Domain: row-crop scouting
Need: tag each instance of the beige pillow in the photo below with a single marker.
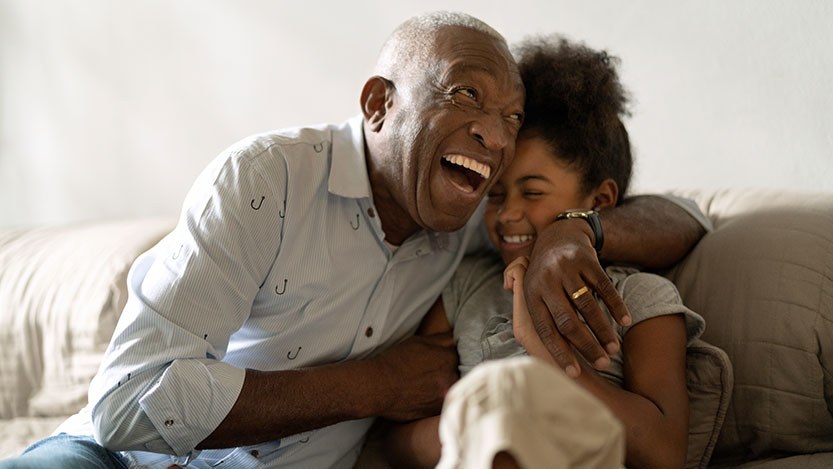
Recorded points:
(709, 381)
(62, 290)
(763, 280)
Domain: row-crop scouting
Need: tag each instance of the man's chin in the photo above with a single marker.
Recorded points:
(447, 221)
(444, 226)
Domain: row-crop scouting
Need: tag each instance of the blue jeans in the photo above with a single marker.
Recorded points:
(65, 451)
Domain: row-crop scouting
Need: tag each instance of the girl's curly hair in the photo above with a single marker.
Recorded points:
(575, 103)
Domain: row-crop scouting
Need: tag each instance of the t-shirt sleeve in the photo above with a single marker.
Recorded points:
(480, 311)
(649, 295)
(472, 273)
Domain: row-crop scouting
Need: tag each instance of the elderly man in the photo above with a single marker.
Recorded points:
(273, 323)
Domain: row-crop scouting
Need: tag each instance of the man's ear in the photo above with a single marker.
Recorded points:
(377, 98)
(606, 194)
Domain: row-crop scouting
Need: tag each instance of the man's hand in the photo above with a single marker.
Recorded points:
(563, 262)
(417, 372)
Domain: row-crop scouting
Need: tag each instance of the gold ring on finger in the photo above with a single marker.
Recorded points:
(579, 292)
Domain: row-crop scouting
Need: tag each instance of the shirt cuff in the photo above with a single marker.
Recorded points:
(190, 400)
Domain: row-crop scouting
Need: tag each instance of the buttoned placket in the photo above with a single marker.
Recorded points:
(420, 244)
(378, 304)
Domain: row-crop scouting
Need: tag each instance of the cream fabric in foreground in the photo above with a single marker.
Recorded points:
(534, 412)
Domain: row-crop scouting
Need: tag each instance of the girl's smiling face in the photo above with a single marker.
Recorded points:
(535, 188)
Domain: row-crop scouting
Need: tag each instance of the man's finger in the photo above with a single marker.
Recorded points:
(555, 344)
(573, 329)
(607, 292)
(585, 303)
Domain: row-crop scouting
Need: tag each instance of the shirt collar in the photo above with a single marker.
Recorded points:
(348, 171)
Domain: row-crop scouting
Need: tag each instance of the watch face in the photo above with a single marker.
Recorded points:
(578, 213)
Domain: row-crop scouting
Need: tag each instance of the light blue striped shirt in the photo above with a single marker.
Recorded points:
(277, 262)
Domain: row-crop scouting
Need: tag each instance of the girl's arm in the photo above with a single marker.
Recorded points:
(654, 404)
(417, 444)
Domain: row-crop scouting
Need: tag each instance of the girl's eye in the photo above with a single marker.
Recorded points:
(532, 193)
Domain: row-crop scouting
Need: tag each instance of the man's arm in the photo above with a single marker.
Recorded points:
(404, 383)
(417, 444)
(649, 231)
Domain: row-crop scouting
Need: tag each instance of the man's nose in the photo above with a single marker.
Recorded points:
(490, 131)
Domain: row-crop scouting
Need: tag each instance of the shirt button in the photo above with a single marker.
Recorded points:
(255, 453)
(169, 423)
(371, 212)
(368, 332)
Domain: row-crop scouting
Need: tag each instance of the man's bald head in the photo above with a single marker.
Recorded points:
(445, 89)
(411, 46)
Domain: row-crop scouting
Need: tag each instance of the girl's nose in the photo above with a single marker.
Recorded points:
(509, 212)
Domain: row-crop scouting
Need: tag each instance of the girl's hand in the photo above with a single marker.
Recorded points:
(513, 279)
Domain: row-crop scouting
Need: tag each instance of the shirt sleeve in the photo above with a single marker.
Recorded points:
(649, 295)
(480, 311)
(162, 386)
(691, 208)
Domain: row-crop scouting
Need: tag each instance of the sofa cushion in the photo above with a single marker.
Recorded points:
(763, 279)
(62, 290)
(709, 381)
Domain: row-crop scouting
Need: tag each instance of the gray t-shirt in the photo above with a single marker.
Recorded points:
(480, 310)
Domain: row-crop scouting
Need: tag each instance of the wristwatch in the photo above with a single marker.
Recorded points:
(592, 218)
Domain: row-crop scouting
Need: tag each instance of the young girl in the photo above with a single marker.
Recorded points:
(573, 152)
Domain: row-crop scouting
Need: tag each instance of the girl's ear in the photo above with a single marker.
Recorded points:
(606, 194)
(376, 99)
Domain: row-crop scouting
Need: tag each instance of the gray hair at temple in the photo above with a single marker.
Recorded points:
(411, 45)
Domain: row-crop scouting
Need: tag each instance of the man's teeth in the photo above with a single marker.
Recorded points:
(517, 238)
(482, 169)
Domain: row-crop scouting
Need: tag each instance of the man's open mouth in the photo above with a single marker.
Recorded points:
(466, 173)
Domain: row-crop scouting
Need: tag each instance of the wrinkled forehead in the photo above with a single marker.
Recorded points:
(461, 50)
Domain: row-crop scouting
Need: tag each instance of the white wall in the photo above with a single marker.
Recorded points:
(109, 109)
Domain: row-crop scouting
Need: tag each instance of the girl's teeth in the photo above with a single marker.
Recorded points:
(517, 238)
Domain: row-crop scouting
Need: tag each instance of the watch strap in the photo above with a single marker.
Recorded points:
(592, 218)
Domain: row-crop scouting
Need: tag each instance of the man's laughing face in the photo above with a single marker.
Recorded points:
(452, 128)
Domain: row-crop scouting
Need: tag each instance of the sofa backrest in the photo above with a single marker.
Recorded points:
(763, 280)
(62, 290)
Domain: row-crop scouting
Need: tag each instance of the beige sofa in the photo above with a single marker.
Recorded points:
(763, 280)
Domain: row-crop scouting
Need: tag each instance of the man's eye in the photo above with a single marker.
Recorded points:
(467, 92)
(517, 116)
